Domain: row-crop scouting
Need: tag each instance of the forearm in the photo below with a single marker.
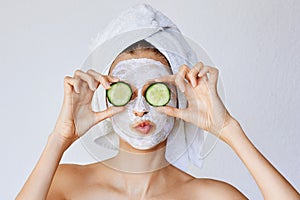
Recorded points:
(39, 181)
(271, 183)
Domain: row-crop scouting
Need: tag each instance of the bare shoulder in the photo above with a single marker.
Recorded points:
(70, 169)
(69, 172)
(215, 189)
(66, 179)
(75, 173)
(203, 188)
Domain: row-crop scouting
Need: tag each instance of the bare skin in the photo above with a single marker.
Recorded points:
(105, 180)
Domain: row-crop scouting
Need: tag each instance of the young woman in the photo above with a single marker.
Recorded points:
(142, 168)
(49, 180)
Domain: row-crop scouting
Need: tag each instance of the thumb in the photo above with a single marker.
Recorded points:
(171, 111)
(99, 116)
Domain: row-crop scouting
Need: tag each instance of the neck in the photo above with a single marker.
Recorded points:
(136, 161)
(139, 171)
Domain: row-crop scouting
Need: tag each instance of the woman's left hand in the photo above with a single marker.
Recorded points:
(205, 108)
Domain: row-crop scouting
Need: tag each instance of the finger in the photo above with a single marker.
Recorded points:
(203, 71)
(171, 111)
(213, 75)
(166, 79)
(112, 79)
(111, 111)
(70, 84)
(87, 78)
(203, 80)
(192, 75)
(100, 78)
(180, 77)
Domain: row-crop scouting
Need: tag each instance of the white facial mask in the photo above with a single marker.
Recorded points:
(139, 73)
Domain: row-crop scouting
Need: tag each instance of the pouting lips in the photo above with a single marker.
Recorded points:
(144, 127)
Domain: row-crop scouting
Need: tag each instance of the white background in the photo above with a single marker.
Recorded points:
(255, 43)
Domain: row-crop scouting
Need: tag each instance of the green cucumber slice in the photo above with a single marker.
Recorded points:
(158, 94)
(119, 94)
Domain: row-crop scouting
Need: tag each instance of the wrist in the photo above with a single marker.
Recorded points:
(231, 131)
(59, 141)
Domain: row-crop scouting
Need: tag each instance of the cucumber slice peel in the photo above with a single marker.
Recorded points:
(119, 94)
(158, 94)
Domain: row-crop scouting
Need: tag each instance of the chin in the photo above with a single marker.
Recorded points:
(146, 148)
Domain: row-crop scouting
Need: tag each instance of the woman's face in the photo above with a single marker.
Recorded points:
(140, 124)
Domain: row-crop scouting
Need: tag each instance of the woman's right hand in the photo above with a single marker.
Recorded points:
(76, 116)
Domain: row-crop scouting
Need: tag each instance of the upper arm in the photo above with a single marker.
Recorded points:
(215, 189)
(59, 183)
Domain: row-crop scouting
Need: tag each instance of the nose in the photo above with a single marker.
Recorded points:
(140, 107)
(139, 114)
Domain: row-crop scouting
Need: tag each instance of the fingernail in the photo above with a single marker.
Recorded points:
(181, 88)
(193, 83)
(76, 90)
